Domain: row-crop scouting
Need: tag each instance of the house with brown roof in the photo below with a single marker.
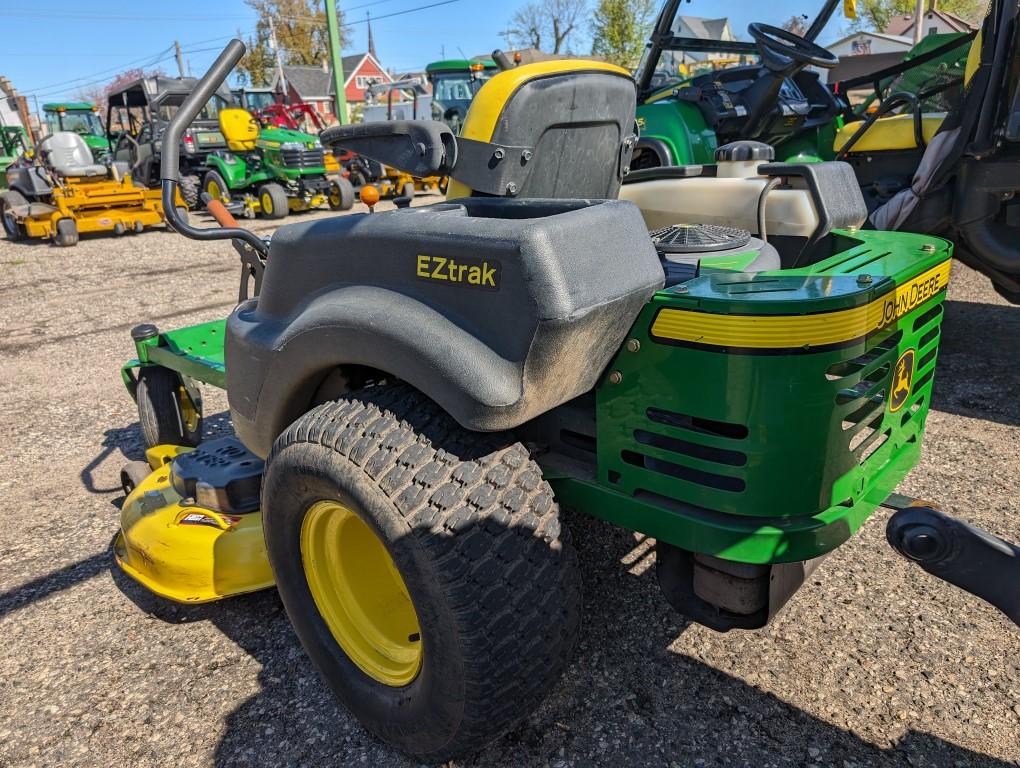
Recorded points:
(935, 22)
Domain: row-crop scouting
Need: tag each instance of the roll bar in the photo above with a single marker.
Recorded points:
(169, 174)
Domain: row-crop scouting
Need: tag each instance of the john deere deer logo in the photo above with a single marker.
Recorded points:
(903, 376)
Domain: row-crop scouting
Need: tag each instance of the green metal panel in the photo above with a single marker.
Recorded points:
(234, 171)
(682, 128)
(195, 351)
(767, 455)
(458, 65)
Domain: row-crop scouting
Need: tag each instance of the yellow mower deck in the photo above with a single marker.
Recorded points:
(183, 551)
(105, 205)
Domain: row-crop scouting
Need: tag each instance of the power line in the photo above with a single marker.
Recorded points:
(160, 57)
(109, 70)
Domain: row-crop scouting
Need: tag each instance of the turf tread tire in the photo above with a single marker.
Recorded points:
(477, 507)
(190, 186)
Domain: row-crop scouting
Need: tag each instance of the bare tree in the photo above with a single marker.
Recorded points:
(797, 24)
(554, 22)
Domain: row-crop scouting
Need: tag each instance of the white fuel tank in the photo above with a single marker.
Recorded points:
(730, 198)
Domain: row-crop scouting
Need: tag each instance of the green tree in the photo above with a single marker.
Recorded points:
(876, 14)
(620, 30)
(300, 27)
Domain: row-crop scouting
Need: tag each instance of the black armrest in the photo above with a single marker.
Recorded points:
(417, 147)
(834, 190)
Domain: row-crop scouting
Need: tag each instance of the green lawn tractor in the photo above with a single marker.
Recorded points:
(272, 170)
(80, 118)
(416, 393)
(937, 150)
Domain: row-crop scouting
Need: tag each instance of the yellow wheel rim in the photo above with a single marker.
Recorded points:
(267, 203)
(360, 594)
(213, 190)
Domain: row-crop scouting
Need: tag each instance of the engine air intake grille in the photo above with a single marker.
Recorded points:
(698, 238)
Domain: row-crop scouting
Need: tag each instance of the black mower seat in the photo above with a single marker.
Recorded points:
(555, 129)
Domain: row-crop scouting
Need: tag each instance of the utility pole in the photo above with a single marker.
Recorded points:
(918, 19)
(337, 62)
(180, 58)
(279, 60)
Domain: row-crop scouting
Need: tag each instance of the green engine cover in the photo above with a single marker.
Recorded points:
(762, 418)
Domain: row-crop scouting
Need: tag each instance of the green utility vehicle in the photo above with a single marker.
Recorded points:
(415, 392)
(271, 170)
(936, 151)
(83, 119)
(454, 84)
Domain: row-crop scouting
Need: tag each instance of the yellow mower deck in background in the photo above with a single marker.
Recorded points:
(62, 193)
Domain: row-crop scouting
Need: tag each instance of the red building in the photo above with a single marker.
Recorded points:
(314, 85)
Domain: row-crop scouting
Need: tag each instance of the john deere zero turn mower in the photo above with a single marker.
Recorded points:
(272, 170)
(419, 390)
(61, 192)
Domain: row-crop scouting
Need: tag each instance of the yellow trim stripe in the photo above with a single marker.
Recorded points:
(792, 331)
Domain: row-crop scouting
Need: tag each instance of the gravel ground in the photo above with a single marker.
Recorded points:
(872, 663)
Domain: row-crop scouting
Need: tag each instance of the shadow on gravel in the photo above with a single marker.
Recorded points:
(625, 701)
(978, 362)
(44, 586)
(128, 440)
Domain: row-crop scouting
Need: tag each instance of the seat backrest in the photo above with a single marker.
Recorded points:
(69, 155)
(239, 128)
(573, 118)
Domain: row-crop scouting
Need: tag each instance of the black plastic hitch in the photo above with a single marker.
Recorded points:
(965, 556)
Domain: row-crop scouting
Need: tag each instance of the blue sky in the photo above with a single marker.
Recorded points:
(43, 52)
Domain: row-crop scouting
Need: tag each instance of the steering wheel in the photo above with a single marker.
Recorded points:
(780, 49)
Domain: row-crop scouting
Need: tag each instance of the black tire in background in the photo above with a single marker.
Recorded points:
(190, 186)
(341, 195)
(66, 234)
(162, 409)
(473, 531)
(9, 200)
(276, 197)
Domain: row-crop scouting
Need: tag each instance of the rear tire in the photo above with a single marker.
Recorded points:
(341, 195)
(12, 228)
(471, 528)
(190, 186)
(273, 201)
(66, 234)
(166, 412)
